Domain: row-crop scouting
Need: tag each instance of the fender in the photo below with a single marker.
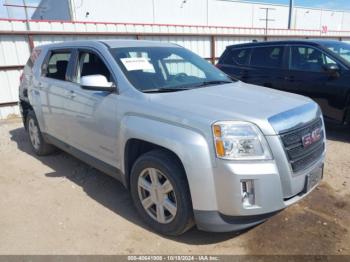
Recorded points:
(190, 146)
(34, 93)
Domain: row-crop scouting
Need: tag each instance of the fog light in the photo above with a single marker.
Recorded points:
(248, 196)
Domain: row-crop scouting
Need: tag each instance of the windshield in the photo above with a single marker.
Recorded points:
(164, 69)
(340, 48)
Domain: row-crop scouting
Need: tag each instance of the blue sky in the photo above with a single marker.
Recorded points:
(328, 4)
(16, 12)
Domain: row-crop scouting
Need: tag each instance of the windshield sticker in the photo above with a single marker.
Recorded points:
(136, 63)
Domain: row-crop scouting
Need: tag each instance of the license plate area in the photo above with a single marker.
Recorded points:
(313, 178)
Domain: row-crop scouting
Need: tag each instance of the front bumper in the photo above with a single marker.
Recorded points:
(213, 221)
(270, 198)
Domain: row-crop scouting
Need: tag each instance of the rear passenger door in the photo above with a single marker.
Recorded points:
(266, 67)
(235, 63)
(53, 90)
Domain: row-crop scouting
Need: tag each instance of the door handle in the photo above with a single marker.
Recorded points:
(71, 94)
(40, 85)
(289, 78)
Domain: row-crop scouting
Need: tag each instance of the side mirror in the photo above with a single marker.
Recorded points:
(333, 70)
(96, 82)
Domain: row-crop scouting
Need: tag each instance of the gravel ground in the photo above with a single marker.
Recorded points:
(59, 205)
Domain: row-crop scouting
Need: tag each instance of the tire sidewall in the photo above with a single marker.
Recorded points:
(31, 115)
(184, 206)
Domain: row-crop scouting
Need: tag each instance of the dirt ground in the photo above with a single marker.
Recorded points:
(59, 205)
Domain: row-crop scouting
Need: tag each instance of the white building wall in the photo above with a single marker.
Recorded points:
(206, 12)
(346, 22)
(193, 12)
(135, 11)
(227, 13)
(332, 19)
(307, 18)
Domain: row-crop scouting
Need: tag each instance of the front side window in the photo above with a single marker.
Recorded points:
(339, 48)
(166, 69)
(309, 59)
(57, 65)
(91, 64)
(270, 57)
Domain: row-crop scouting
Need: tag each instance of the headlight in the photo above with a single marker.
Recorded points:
(236, 140)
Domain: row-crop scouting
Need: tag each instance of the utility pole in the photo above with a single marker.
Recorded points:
(266, 19)
(291, 5)
(26, 13)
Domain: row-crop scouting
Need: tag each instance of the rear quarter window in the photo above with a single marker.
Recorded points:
(237, 56)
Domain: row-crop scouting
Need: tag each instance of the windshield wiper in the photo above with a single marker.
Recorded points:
(213, 82)
(164, 90)
(174, 89)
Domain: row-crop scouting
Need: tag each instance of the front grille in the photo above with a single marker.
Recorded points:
(301, 157)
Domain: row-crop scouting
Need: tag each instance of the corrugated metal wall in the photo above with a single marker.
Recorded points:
(209, 42)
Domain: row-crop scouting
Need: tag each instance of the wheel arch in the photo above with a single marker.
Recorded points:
(25, 108)
(189, 147)
(134, 148)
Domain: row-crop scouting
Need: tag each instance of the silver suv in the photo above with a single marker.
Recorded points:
(192, 145)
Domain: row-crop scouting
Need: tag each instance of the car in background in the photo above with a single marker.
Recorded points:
(319, 69)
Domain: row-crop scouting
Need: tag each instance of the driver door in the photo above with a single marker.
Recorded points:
(92, 124)
(308, 76)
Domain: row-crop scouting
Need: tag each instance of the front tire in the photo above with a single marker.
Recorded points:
(160, 193)
(37, 142)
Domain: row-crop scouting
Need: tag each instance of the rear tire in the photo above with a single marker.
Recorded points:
(160, 193)
(37, 142)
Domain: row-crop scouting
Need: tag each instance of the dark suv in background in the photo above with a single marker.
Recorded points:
(318, 69)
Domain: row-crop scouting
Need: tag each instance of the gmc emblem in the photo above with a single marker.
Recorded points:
(312, 137)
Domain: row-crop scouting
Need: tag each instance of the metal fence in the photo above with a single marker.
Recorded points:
(19, 37)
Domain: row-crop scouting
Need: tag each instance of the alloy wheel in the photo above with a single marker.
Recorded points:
(157, 195)
(34, 134)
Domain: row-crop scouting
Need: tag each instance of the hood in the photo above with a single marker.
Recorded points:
(271, 110)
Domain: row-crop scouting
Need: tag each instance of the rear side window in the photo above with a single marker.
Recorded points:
(57, 65)
(237, 56)
(270, 57)
(240, 56)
